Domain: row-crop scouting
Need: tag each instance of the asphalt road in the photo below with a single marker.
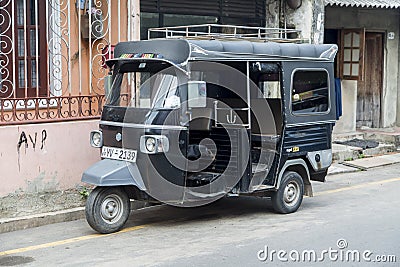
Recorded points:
(351, 215)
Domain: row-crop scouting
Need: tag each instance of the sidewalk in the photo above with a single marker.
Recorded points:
(364, 164)
(347, 158)
(19, 223)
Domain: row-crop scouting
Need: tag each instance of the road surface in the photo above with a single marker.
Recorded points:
(353, 220)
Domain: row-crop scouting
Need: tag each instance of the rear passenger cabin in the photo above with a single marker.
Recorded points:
(287, 104)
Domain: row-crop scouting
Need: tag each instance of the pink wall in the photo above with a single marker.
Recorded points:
(56, 162)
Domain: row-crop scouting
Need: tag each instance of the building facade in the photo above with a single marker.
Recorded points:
(52, 69)
(51, 86)
(368, 63)
(367, 33)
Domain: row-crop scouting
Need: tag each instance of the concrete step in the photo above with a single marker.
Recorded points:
(373, 162)
(341, 153)
(348, 136)
(392, 138)
(382, 149)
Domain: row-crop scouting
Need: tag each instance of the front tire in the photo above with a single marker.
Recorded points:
(289, 196)
(107, 209)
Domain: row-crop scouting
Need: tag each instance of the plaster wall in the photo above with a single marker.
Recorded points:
(347, 123)
(309, 18)
(45, 157)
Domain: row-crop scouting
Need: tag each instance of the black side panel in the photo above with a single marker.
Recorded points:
(302, 139)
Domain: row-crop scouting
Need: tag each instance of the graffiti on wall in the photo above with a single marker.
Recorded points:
(33, 140)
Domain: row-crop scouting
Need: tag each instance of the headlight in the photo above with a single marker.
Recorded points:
(152, 144)
(96, 139)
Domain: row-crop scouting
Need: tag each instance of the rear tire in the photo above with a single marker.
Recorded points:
(107, 209)
(289, 196)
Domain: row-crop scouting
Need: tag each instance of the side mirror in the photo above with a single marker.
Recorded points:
(197, 94)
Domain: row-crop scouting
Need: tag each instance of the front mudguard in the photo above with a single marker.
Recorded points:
(109, 172)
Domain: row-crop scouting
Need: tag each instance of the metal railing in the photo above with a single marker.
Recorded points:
(46, 109)
(229, 32)
(52, 56)
(229, 116)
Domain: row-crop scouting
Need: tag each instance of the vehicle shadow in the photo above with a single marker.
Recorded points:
(221, 209)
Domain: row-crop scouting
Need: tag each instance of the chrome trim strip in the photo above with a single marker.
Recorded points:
(142, 126)
(310, 123)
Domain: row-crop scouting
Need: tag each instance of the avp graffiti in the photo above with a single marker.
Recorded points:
(33, 139)
(24, 140)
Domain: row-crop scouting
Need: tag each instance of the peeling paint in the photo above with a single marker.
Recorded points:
(309, 18)
(272, 13)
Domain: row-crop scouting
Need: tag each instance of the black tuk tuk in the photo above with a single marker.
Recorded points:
(188, 121)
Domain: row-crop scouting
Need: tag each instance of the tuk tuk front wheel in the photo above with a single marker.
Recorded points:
(289, 196)
(107, 209)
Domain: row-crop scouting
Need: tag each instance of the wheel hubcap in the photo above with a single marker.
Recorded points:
(111, 209)
(291, 194)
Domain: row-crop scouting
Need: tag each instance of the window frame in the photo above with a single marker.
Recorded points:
(291, 93)
(39, 28)
(360, 76)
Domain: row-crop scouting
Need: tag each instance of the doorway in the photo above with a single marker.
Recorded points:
(369, 90)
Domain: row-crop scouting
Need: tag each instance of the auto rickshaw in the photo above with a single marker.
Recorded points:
(190, 120)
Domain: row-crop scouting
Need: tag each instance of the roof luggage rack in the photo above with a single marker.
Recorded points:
(228, 32)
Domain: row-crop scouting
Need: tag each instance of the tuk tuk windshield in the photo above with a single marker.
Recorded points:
(145, 90)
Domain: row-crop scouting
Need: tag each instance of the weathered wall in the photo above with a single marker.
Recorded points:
(309, 18)
(347, 123)
(45, 157)
(398, 90)
(372, 20)
(272, 13)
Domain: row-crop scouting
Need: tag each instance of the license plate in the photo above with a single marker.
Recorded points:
(118, 153)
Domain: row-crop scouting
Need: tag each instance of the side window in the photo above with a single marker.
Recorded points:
(310, 92)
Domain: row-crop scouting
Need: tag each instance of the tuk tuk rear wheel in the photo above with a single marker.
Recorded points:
(289, 196)
(107, 209)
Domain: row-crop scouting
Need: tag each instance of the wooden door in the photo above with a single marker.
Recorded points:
(370, 89)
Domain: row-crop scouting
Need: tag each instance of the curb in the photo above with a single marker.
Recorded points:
(30, 221)
(342, 171)
(36, 220)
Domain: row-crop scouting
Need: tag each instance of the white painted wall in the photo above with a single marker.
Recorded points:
(61, 153)
(347, 123)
